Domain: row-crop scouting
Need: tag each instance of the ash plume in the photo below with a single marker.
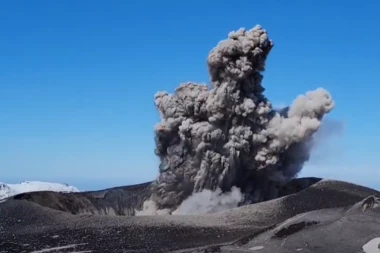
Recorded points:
(229, 135)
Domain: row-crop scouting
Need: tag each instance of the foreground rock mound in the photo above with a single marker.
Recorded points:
(328, 216)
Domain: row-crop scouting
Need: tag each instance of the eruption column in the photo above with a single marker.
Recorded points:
(229, 134)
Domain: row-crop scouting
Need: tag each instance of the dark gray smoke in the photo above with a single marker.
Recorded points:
(229, 134)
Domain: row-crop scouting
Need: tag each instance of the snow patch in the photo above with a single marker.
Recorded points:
(257, 248)
(372, 246)
(9, 190)
(58, 249)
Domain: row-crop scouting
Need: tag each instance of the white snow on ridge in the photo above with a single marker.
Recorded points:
(9, 190)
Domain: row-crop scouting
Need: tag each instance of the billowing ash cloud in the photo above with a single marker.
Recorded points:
(208, 201)
(215, 138)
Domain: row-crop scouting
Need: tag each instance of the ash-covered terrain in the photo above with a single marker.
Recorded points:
(326, 216)
(228, 178)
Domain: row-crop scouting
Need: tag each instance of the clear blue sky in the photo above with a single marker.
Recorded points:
(77, 80)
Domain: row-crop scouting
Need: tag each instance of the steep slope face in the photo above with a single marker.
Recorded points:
(9, 190)
(350, 229)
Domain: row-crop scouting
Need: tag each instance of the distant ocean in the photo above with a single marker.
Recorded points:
(89, 185)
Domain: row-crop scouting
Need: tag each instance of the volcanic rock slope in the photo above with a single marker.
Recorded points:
(328, 216)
